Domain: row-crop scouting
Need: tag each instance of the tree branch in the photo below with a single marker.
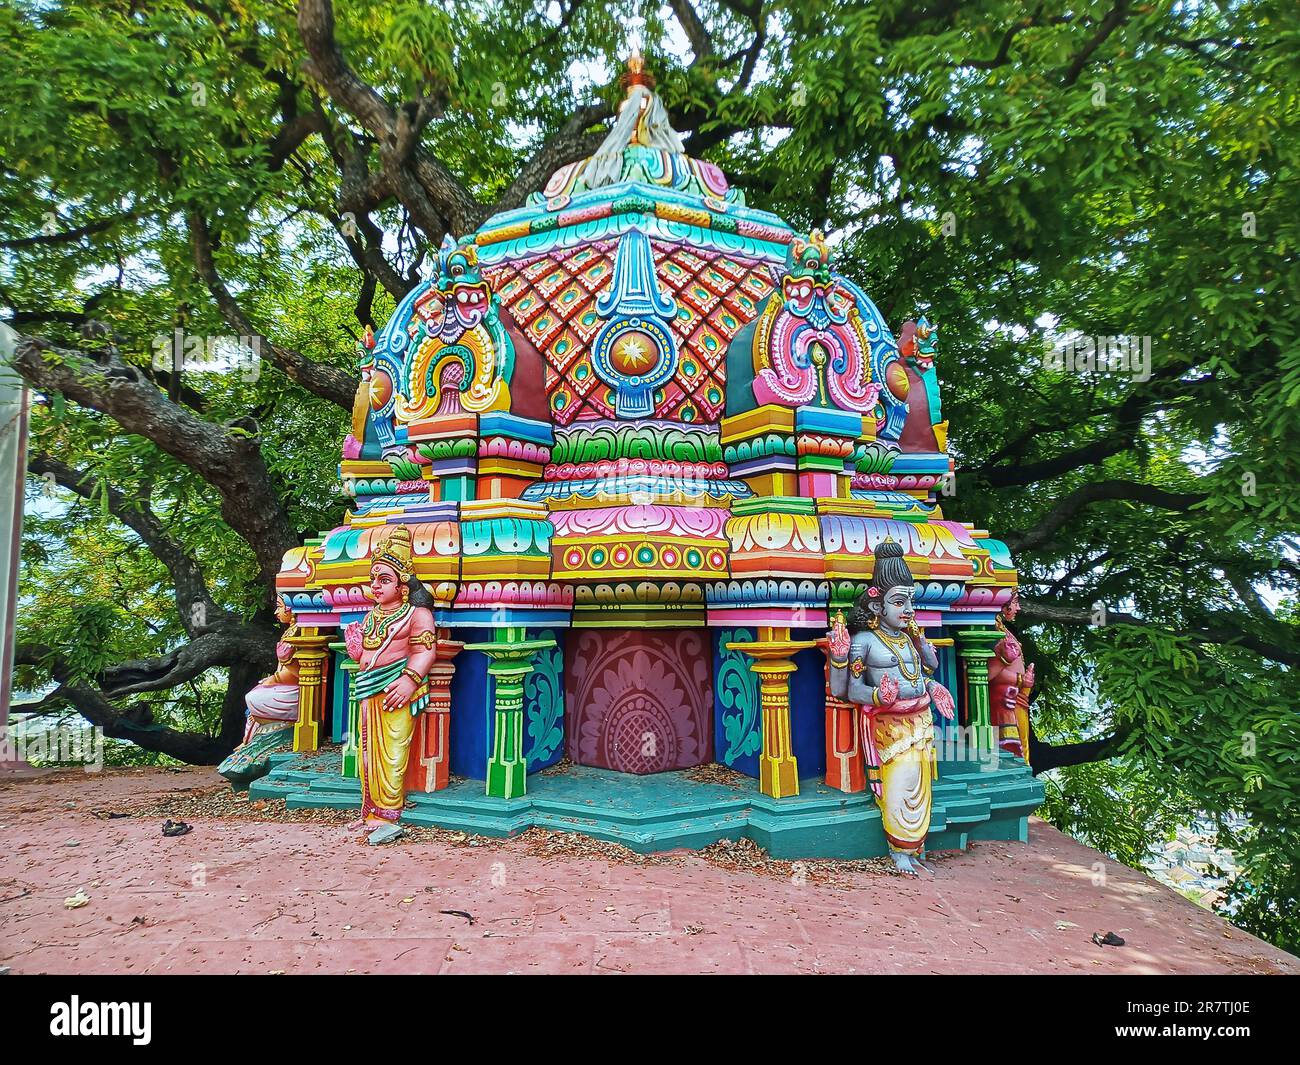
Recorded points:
(245, 649)
(569, 143)
(186, 573)
(328, 382)
(1097, 491)
(424, 184)
(70, 235)
(1117, 16)
(1044, 756)
(230, 461)
(1221, 628)
(696, 32)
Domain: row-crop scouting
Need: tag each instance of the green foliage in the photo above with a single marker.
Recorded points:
(1117, 807)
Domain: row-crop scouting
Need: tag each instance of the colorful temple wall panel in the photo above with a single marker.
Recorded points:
(472, 706)
(339, 709)
(471, 710)
(808, 706)
(947, 673)
(544, 704)
(639, 701)
(737, 718)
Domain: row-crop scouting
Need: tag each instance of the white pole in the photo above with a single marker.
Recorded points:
(14, 402)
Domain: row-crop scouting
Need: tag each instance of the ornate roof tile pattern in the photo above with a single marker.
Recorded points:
(552, 299)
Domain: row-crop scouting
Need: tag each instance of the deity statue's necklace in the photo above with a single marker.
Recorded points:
(898, 644)
(378, 623)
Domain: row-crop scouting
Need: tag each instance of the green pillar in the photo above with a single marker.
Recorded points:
(976, 648)
(511, 654)
(351, 761)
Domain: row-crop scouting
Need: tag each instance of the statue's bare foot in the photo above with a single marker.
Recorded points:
(904, 863)
(356, 826)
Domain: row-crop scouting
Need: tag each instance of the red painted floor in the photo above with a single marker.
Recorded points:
(259, 896)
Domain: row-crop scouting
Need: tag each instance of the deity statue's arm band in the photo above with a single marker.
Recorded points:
(929, 656)
(423, 644)
(860, 690)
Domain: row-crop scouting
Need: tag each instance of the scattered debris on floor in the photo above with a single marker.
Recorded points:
(1109, 939)
(743, 855)
(75, 902)
(219, 801)
(713, 773)
(542, 843)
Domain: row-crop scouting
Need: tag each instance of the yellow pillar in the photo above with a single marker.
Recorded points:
(311, 652)
(773, 653)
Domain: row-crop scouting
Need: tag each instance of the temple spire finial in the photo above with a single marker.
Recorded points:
(636, 73)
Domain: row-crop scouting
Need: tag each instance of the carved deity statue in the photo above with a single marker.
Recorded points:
(272, 710)
(925, 429)
(1010, 682)
(881, 663)
(395, 646)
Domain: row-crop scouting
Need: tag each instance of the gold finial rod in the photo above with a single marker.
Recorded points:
(636, 73)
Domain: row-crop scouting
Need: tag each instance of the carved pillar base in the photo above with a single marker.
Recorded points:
(428, 767)
(311, 651)
(773, 653)
(511, 654)
(975, 646)
(352, 726)
(846, 766)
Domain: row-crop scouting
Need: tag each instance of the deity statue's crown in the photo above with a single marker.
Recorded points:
(395, 550)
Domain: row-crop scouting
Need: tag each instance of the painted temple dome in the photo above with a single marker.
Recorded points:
(636, 400)
(641, 442)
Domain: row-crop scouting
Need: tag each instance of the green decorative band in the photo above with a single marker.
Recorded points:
(448, 449)
(760, 447)
(667, 443)
(405, 470)
(774, 505)
(505, 536)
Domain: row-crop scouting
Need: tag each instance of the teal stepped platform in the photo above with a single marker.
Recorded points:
(664, 811)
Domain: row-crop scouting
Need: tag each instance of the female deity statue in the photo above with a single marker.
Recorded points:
(395, 645)
(882, 664)
(1010, 682)
(272, 710)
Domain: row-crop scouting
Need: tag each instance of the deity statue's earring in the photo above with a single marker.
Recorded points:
(873, 622)
(406, 593)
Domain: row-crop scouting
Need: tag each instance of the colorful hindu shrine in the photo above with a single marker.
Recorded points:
(617, 470)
